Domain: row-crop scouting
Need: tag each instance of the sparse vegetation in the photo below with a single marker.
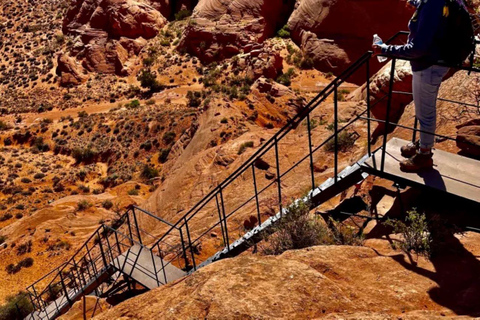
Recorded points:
(244, 146)
(284, 32)
(107, 204)
(83, 205)
(133, 192)
(182, 14)
(16, 307)
(415, 232)
(149, 172)
(285, 78)
(149, 80)
(346, 140)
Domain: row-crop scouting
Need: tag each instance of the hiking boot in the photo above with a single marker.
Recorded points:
(410, 149)
(418, 162)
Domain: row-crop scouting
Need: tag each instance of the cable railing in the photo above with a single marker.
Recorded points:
(257, 190)
(214, 203)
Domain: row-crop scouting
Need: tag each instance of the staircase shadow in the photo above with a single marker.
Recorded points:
(456, 269)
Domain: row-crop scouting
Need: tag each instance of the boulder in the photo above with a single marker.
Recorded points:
(273, 88)
(261, 61)
(222, 29)
(349, 23)
(325, 53)
(70, 72)
(379, 85)
(468, 138)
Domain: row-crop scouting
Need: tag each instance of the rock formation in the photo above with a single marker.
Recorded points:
(222, 29)
(468, 138)
(349, 24)
(109, 33)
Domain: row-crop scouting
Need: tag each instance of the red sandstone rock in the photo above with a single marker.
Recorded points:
(69, 71)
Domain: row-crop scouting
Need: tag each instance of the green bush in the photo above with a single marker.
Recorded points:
(3, 239)
(284, 32)
(24, 248)
(244, 146)
(26, 263)
(16, 307)
(83, 205)
(162, 157)
(285, 78)
(148, 80)
(4, 126)
(84, 154)
(297, 230)
(194, 98)
(107, 204)
(149, 172)
(346, 140)
(169, 137)
(133, 192)
(133, 104)
(415, 232)
(12, 268)
(182, 14)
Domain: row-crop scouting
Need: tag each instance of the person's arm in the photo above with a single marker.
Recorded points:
(429, 21)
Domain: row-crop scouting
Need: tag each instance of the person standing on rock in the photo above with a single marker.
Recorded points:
(425, 47)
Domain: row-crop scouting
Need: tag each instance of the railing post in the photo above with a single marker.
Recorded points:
(155, 268)
(277, 161)
(190, 243)
(64, 288)
(227, 244)
(369, 146)
(130, 228)
(257, 203)
(118, 244)
(335, 128)
(108, 243)
(163, 265)
(310, 151)
(183, 248)
(136, 226)
(220, 218)
(101, 250)
(387, 120)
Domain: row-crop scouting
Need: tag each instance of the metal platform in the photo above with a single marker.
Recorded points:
(145, 268)
(452, 173)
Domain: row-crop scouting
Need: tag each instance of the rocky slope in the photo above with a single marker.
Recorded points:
(325, 282)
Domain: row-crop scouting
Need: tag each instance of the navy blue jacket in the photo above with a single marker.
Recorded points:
(425, 30)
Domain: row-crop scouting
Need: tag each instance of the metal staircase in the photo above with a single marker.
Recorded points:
(113, 252)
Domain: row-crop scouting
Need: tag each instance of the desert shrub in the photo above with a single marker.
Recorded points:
(25, 180)
(83, 205)
(26, 263)
(415, 232)
(148, 61)
(149, 172)
(307, 63)
(150, 102)
(107, 204)
(2, 239)
(194, 98)
(284, 32)
(12, 268)
(162, 157)
(5, 217)
(133, 104)
(59, 245)
(16, 307)
(285, 78)
(24, 248)
(182, 14)
(346, 140)
(148, 80)
(19, 216)
(224, 120)
(53, 292)
(82, 114)
(133, 192)
(39, 176)
(84, 154)
(244, 146)
(169, 137)
(297, 230)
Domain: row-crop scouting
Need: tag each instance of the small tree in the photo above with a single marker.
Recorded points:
(148, 80)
